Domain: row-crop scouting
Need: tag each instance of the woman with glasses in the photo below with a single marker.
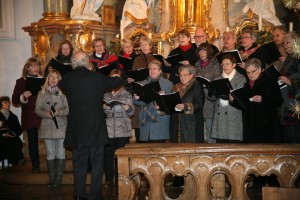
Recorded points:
(208, 67)
(261, 121)
(187, 125)
(291, 94)
(227, 123)
(249, 45)
(154, 125)
(187, 50)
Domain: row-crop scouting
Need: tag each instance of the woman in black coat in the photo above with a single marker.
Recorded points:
(261, 120)
(10, 130)
(188, 125)
(187, 50)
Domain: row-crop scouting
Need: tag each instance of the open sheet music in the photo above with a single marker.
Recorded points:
(167, 102)
(146, 92)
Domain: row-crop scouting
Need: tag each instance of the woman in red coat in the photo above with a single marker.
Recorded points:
(26, 99)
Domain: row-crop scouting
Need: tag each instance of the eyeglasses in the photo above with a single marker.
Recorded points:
(246, 37)
(199, 36)
(252, 72)
(225, 64)
(183, 75)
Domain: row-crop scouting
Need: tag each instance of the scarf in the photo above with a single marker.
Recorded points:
(126, 55)
(230, 76)
(204, 63)
(183, 88)
(185, 48)
(53, 90)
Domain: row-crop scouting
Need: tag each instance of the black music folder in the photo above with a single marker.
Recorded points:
(106, 69)
(126, 62)
(221, 86)
(52, 112)
(167, 102)
(159, 57)
(272, 72)
(34, 84)
(113, 103)
(202, 80)
(146, 92)
(241, 97)
(235, 53)
(267, 53)
(175, 59)
(139, 74)
(63, 68)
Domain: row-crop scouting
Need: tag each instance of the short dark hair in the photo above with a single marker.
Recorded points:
(3, 99)
(97, 40)
(229, 57)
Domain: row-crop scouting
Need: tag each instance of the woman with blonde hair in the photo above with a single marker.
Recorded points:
(26, 99)
(52, 107)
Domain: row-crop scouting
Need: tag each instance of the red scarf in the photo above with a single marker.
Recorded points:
(126, 55)
(251, 83)
(185, 48)
(204, 63)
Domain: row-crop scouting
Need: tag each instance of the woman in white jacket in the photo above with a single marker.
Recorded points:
(52, 107)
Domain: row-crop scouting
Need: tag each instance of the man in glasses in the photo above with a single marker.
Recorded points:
(201, 37)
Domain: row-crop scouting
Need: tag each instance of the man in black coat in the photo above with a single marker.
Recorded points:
(86, 130)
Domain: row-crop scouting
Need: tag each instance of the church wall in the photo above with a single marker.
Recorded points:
(15, 52)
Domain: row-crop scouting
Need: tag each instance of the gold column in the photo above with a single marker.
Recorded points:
(56, 10)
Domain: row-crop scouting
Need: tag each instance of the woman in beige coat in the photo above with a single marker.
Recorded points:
(52, 107)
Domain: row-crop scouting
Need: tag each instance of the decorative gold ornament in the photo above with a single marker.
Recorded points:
(66, 32)
(84, 39)
(41, 43)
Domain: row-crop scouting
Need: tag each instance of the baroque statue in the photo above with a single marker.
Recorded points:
(86, 9)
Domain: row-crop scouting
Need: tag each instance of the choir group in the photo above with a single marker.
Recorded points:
(252, 108)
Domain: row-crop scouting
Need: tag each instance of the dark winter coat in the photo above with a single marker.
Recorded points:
(261, 120)
(189, 124)
(84, 90)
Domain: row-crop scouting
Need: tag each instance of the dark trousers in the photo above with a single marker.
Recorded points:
(33, 146)
(110, 162)
(80, 163)
(11, 148)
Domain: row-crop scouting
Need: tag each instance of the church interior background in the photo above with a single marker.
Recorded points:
(35, 28)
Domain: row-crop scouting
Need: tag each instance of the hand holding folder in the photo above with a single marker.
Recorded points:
(219, 86)
(146, 92)
(168, 102)
(34, 84)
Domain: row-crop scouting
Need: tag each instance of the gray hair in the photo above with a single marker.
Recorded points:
(251, 32)
(80, 59)
(190, 68)
(289, 36)
(256, 63)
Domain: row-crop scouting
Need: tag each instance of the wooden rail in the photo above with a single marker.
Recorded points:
(200, 164)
